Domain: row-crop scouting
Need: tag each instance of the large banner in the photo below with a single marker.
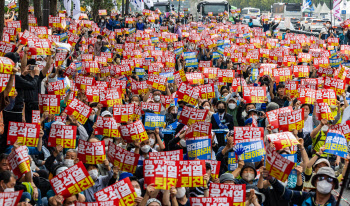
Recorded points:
(162, 173)
(72, 181)
(91, 152)
(125, 160)
(236, 193)
(191, 173)
(24, 133)
(336, 143)
(122, 191)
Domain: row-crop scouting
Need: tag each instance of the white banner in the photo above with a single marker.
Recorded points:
(76, 9)
(115, 5)
(68, 6)
(336, 9)
(149, 3)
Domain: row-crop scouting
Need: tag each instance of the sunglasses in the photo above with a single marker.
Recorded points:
(329, 179)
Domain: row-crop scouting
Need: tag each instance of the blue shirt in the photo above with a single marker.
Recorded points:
(140, 26)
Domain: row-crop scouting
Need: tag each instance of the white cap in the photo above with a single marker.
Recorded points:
(105, 113)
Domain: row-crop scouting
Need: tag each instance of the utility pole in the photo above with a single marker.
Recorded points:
(46, 12)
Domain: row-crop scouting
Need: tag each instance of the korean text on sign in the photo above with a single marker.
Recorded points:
(174, 155)
(72, 181)
(79, 110)
(10, 198)
(125, 160)
(163, 173)
(199, 147)
(91, 152)
(291, 120)
(254, 94)
(25, 134)
(19, 161)
(64, 135)
(278, 166)
(237, 193)
(282, 140)
(132, 132)
(336, 143)
(246, 134)
(190, 173)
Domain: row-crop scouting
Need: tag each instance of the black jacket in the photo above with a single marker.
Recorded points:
(23, 86)
(228, 121)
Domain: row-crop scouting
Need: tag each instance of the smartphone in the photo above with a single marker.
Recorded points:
(31, 67)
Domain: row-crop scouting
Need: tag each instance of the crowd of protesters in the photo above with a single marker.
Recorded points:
(183, 44)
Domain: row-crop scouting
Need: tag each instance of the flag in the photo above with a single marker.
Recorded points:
(67, 5)
(306, 5)
(336, 9)
(76, 9)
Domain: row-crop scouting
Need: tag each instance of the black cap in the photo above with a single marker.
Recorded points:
(13, 56)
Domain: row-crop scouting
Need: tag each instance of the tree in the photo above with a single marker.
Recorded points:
(23, 13)
(37, 11)
(96, 6)
(53, 7)
(2, 13)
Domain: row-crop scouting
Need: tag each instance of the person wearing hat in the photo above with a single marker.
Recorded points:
(254, 197)
(232, 109)
(106, 113)
(247, 174)
(324, 181)
(227, 178)
(153, 202)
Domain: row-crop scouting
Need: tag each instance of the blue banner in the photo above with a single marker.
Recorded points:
(173, 126)
(152, 121)
(189, 55)
(216, 55)
(155, 39)
(232, 161)
(79, 66)
(220, 42)
(221, 50)
(169, 76)
(335, 62)
(333, 53)
(191, 63)
(200, 29)
(336, 144)
(253, 151)
(140, 72)
(255, 74)
(63, 36)
(178, 51)
(198, 148)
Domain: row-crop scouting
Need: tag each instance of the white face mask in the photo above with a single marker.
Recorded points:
(68, 162)
(324, 128)
(151, 141)
(138, 192)
(232, 105)
(207, 107)
(92, 117)
(93, 174)
(183, 143)
(248, 176)
(102, 20)
(121, 145)
(145, 148)
(98, 40)
(328, 25)
(181, 192)
(8, 189)
(333, 106)
(156, 98)
(324, 187)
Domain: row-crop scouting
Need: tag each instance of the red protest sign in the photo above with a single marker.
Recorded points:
(292, 88)
(206, 91)
(56, 88)
(291, 120)
(289, 60)
(304, 57)
(247, 134)
(49, 102)
(180, 77)
(72, 181)
(36, 116)
(162, 173)
(254, 94)
(5, 48)
(326, 95)
(60, 119)
(190, 173)
(155, 107)
(238, 83)
(282, 140)
(10, 198)
(208, 201)
(19, 161)
(191, 115)
(344, 128)
(307, 96)
(174, 155)
(132, 132)
(79, 110)
(187, 93)
(226, 75)
(121, 190)
(338, 85)
(125, 160)
(24, 133)
(111, 97)
(157, 82)
(82, 81)
(195, 78)
(272, 116)
(301, 71)
(282, 74)
(92, 93)
(323, 111)
(215, 168)
(106, 126)
(124, 113)
(91, 152)
(321, 62)
(236, 193)
(103, 203)
(4, 78)
(64, 135)
(199, 129)
(278, 166)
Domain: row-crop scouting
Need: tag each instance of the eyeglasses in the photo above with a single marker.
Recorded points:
(329, 179)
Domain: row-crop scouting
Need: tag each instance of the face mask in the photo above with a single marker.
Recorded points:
(324, 128)
(121, 145)
(9, 190)
(98, 40)
(93, 174)
(174, 115)
(138, 192)
(156, 98)
(140, 21)
(151, 141)
(145, 148)
(328, 25)
(255, 116)
(68, 162)
(324, 187)
(181, 191)
(183, 143)
(248, 176)
(231, 105)
(207, 107)
(92, 117)
(102, 20)
(345, 31)
(136, 103)
(333, 106)
(221, 111)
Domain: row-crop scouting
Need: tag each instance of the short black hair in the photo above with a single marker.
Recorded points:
(280, 86)
(221, 102)
(6, 176)
(3, 156)
(207, 166)
(249, 104)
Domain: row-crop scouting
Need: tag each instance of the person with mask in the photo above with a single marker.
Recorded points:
(7, 184)
(179, 198)
(207, 105)
(221, 120)
(98, 45)
(101, 182)
(69, 160)
(102, 24)
(324, 181)
(232, 109)
(326, 31)
(136, 185)
(140, 25)
(247, 174)
(142, 148)
(319, 135)
(181, 139)
(155, 141)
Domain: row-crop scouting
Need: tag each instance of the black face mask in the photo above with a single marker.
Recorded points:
(174, 115)
(221, 111)
(305, 51)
